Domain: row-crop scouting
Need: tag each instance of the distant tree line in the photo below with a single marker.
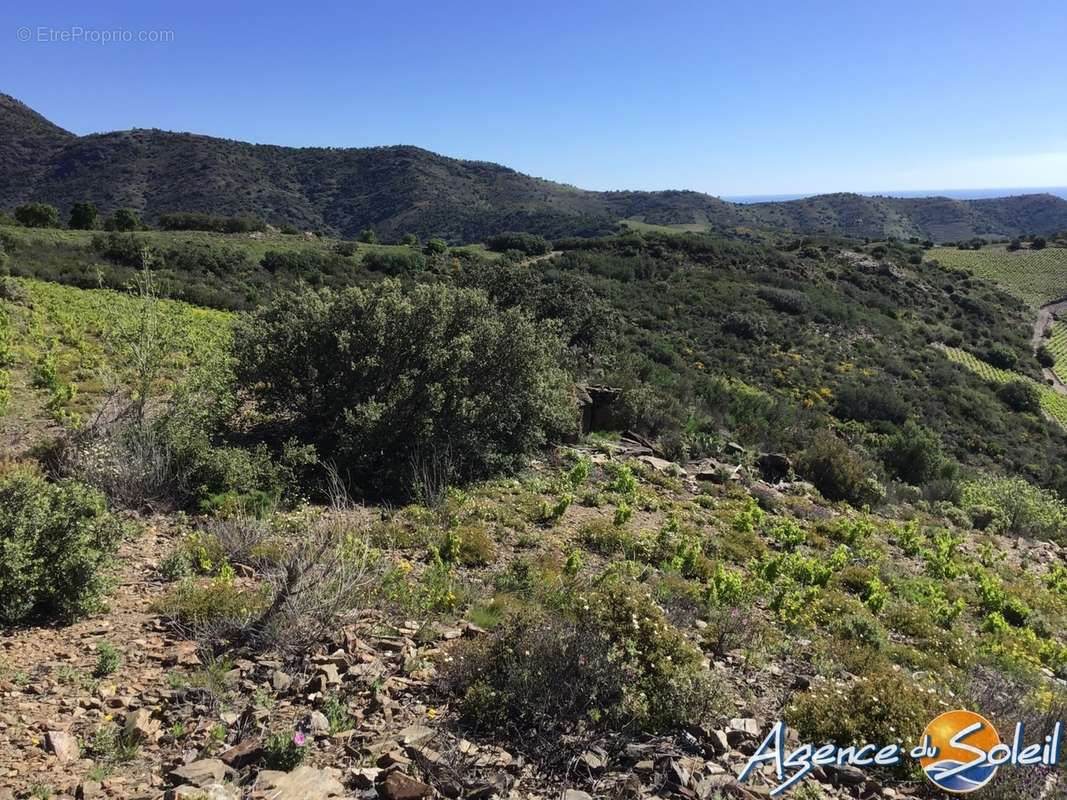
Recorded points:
(196, 221)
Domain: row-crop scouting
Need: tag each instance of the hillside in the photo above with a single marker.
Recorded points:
(401, 189)
(813, 516)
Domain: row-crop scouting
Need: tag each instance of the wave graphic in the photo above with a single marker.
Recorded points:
(966, 781)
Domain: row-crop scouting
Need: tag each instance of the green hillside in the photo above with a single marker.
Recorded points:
(361, 512)
(403, 189)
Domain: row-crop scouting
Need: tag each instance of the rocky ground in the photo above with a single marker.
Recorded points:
(160, 719)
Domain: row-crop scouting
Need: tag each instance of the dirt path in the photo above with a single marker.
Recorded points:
(543, 257)
(1045, 316)
(47, 683)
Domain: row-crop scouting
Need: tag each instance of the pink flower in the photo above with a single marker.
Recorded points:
(299, 738)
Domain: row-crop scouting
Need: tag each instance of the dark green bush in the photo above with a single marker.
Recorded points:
(1020, 396)
(394, 263)
(55, 540)
(124, 219)
(303, 262)
(839, 472)
(83, 216)
(785, 300)
(528, 243)
(744, 325)
(913, 454)
(373, 377)
(195, 221)
(1000, 356)
(37, 215)
(865, 403)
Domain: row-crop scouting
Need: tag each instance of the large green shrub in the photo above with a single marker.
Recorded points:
(55, 540)
(839, 472)
(914, 454)
(1020, 396)
(1017, 507)
(38, 215)
(374, 377)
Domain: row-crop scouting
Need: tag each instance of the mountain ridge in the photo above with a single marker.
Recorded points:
(395, 189)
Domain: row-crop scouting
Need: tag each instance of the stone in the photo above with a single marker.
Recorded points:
(719, 742)
(738, 730)
(317, 724)
(845, 775)
(213, 791)
(364, 778)
(576, 794)
(594, 759)
(64, 746)
(140, 727)
(280, 681)
(200, 773)
(413, 734)
(398, 786)
(303, 783)
(250, 751)
(330, 674)
(663, 465)
(774, 467)
(182, 654)
(89, 790)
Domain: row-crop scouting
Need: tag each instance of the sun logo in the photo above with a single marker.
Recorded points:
(958, 746)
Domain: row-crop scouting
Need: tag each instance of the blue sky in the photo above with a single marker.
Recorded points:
(724, 97)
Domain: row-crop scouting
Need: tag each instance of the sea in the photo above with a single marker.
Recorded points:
(959, 194)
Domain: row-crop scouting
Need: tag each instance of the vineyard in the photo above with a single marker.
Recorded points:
(1057, 345)
(67, 347)
(1035, 276)
(1052, 403)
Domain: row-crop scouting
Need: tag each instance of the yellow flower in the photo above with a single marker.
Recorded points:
(431, 713)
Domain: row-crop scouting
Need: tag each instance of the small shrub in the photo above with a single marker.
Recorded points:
(616, 661)
(112, 746)
(731, 628)
(219, 604)
(108, 659)
(788, 533)
(14, 292)
(882, 707)
(468, 544)
(56, 540)
(603, 537)
(285, 750)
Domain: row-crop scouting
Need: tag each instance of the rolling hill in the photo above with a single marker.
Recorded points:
(401, 189)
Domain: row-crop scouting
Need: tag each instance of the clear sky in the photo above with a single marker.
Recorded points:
(724, 97)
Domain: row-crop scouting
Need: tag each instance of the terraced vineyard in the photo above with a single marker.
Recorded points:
(1052, 403)
(1035, 276)
(1057, 345)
